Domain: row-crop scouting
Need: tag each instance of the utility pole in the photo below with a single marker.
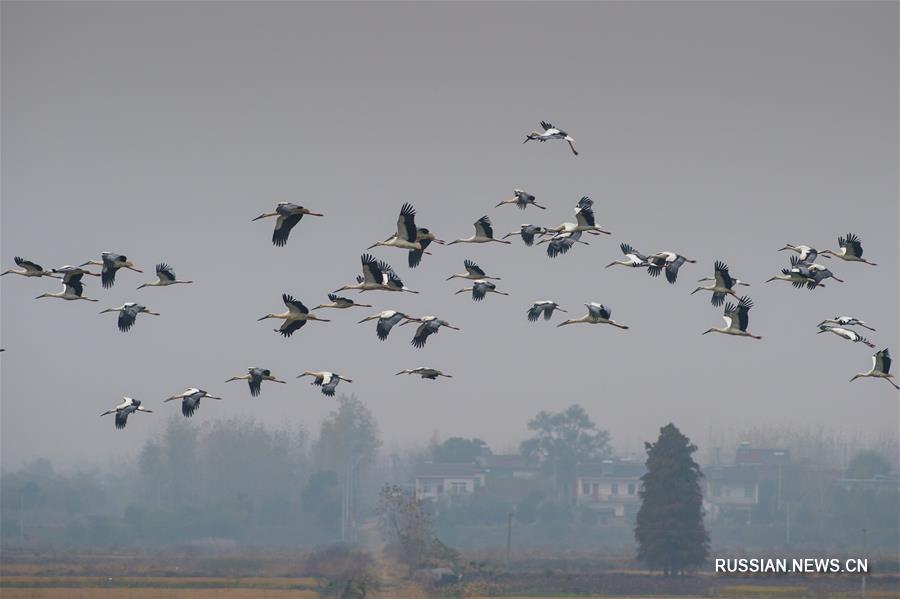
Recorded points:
(508, 539)
(867, 564)
(787, 532)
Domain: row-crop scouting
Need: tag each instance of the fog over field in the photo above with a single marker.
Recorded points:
(720, 131)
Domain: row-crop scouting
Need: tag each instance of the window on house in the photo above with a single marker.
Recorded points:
(426, 487)
(632, 488)
(457, 488)
(717, 490)
(748, 492)
(585, 487)
(614, 489)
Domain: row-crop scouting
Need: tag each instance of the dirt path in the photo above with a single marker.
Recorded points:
(392, 575)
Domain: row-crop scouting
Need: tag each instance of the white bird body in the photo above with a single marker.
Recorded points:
(807, 253)
(341, 303)
(480, 289)
(27, 268)
(428, 325)
(881, 368)
(484, 233)
(848, 334)
(297, 316)
(846, 321)
(522, 199)
(73, 289)
(425, 372)
(668, 261)
(122, 411)
(328, 381)
(597, 314)
(736, 319)
(128, 313)
(551, 132)
(545, 307)
(408, 236)
(377, 276)
(386, 321)
(165, 276)
(288, 216)
(111, 263)
(473, 272)
(190, 400)
(850, 250)
(527, 233)
(633, 258)
(723, 284)
(254, 377)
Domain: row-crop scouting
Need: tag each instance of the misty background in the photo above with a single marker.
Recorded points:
(721, 131)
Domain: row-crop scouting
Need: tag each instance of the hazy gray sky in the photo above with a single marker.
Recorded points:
(719, 130)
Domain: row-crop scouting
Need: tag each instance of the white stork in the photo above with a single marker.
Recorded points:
(562, 242)
(807, 253)
(128, 313)
(848, 334)
(545, 307)
(799, 275)
(190, 400)
(165, 276)
(429, 325)
(724, 285)
(633, 258)
(73, 289)
(341, 303)
(473, 272)
(27, 268)
(255, 377)
(408, 236)
(425, 372)
(481, 288)
(670, 261)
(881, 368)
(484, 233)
(522, 199)
(295, 318)
(128, 406)
(597, 314)
(111, 263)
(850, 250)
(377, 275)
(736, 319)
(326, 380)
(288, 215)
(527, 232)
(846, 321)
(386, 321)
(551, 132)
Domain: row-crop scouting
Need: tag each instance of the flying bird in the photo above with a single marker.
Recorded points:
(425, 238)
(429, 325)
(670, 261)
(255, 377)
(736, 319)
(545, 307)
(295, 318)
(584, 215)
(597, 314)
(848, 334)
(481, 288)
(73, 289)
(288, 216)
(386, 321)
(527, 233)
(341, 303)
(128, 313)
(129, 406)
(111, 263)
(425, 372)
(561, 243)
(724, 284)
(807, 253)
(473, 272)
(799, 275)
(846, 321)
(633, 258)
(326, 380)
(408, 235)
(165, 276)
(850, 250)
(522, 199)
(484, 233)
(881, 368)
(551, 132)
(190, 400)
(377, 275)
(818, 273)
(27, 268)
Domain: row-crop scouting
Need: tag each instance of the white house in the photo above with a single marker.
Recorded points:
(611, 486)
(437, 480)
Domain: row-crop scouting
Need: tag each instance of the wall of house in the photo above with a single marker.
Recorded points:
(732, 493)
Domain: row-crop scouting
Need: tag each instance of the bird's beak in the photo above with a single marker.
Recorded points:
(107, 310)
(401, 372)
(706, 331)
(84, 264)
(263, 215)
(439, 241)
(561, 310)
(154, 313)
(770, 280)
(262, 318)
(367, 318)
(787, 247)
(695, 291)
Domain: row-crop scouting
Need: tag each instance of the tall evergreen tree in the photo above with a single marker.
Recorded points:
(669, 531)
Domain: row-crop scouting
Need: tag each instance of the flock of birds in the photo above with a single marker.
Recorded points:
(378, 275)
